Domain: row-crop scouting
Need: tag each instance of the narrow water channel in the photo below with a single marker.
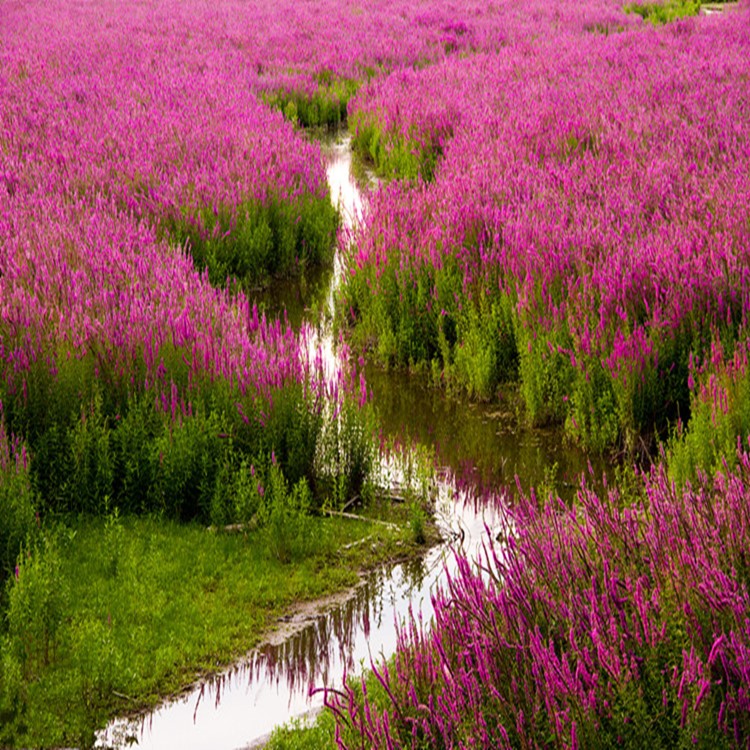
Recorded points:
(476, 446)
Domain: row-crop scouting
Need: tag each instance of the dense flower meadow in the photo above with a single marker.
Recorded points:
(565, 208)
(138, 172)
(572, 219)
(181, 143)
(621, 621)
(122, 364)
(138, 142)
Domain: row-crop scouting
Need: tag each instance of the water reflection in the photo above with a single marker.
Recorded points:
(310, 298)
(245, 703)
(485, 446)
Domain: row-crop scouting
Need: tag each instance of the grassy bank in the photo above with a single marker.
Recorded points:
(106, 616)
(619, 622)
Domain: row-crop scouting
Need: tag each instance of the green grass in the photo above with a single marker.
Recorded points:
(320, 733)
(325, 108)
(108, 615)
(393, 155)
(253, 243)
(658, 13)
(316, 735)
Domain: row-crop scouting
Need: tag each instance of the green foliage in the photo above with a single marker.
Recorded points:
(417, 522)
(36, 602)
(592, 418)
(419, 322)
(485, 354)
(129, 448)
(11, 687)
(133, 436)
(293, 430)
(299, 735)
(325, 108)
(237, 497)
(547, 376)
(393, 154)
(719, 421)
(659, 13)
(253, 242)
(187, 458)
(92, 463)
(121, 606)
(346, 457)
(646, 710)
(17, 506)
(288, 530)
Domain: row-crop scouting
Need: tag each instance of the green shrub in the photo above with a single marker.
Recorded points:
(133, 436)
(593, 417)
(92, 463)
(664, 12)
(36, 601)
(236, 498)
(17, 502)
(326, 107)
(485, 354)
(293, 431)
(103, 444)
(719, 418)
(393, 154)
(252, 242)
(187, 458)
(546, 374)
(346, 457)
(11, 687)
(285, 517)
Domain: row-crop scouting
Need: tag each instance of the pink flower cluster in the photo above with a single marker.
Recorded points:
(114, 126)
(605, 624)
(78, 279)
(597, 181)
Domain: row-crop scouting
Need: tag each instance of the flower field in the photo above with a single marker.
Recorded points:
(569, 213)
(563, 209)
(571, 217)
(620, 622)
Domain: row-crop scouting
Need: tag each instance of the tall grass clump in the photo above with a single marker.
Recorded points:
(18, 502)
(719, 414)
(133, 381)
(318, 103)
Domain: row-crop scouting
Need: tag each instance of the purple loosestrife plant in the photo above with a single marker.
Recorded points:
(131, 376)
(584, 218)
(617, 622)
(183, 145)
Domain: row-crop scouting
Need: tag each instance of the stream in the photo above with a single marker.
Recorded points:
(480, 450)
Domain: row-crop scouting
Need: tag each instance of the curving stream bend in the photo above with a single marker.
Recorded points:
(476, 446)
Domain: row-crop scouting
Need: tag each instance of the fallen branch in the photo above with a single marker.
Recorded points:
(355, 517)
(357, 543)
